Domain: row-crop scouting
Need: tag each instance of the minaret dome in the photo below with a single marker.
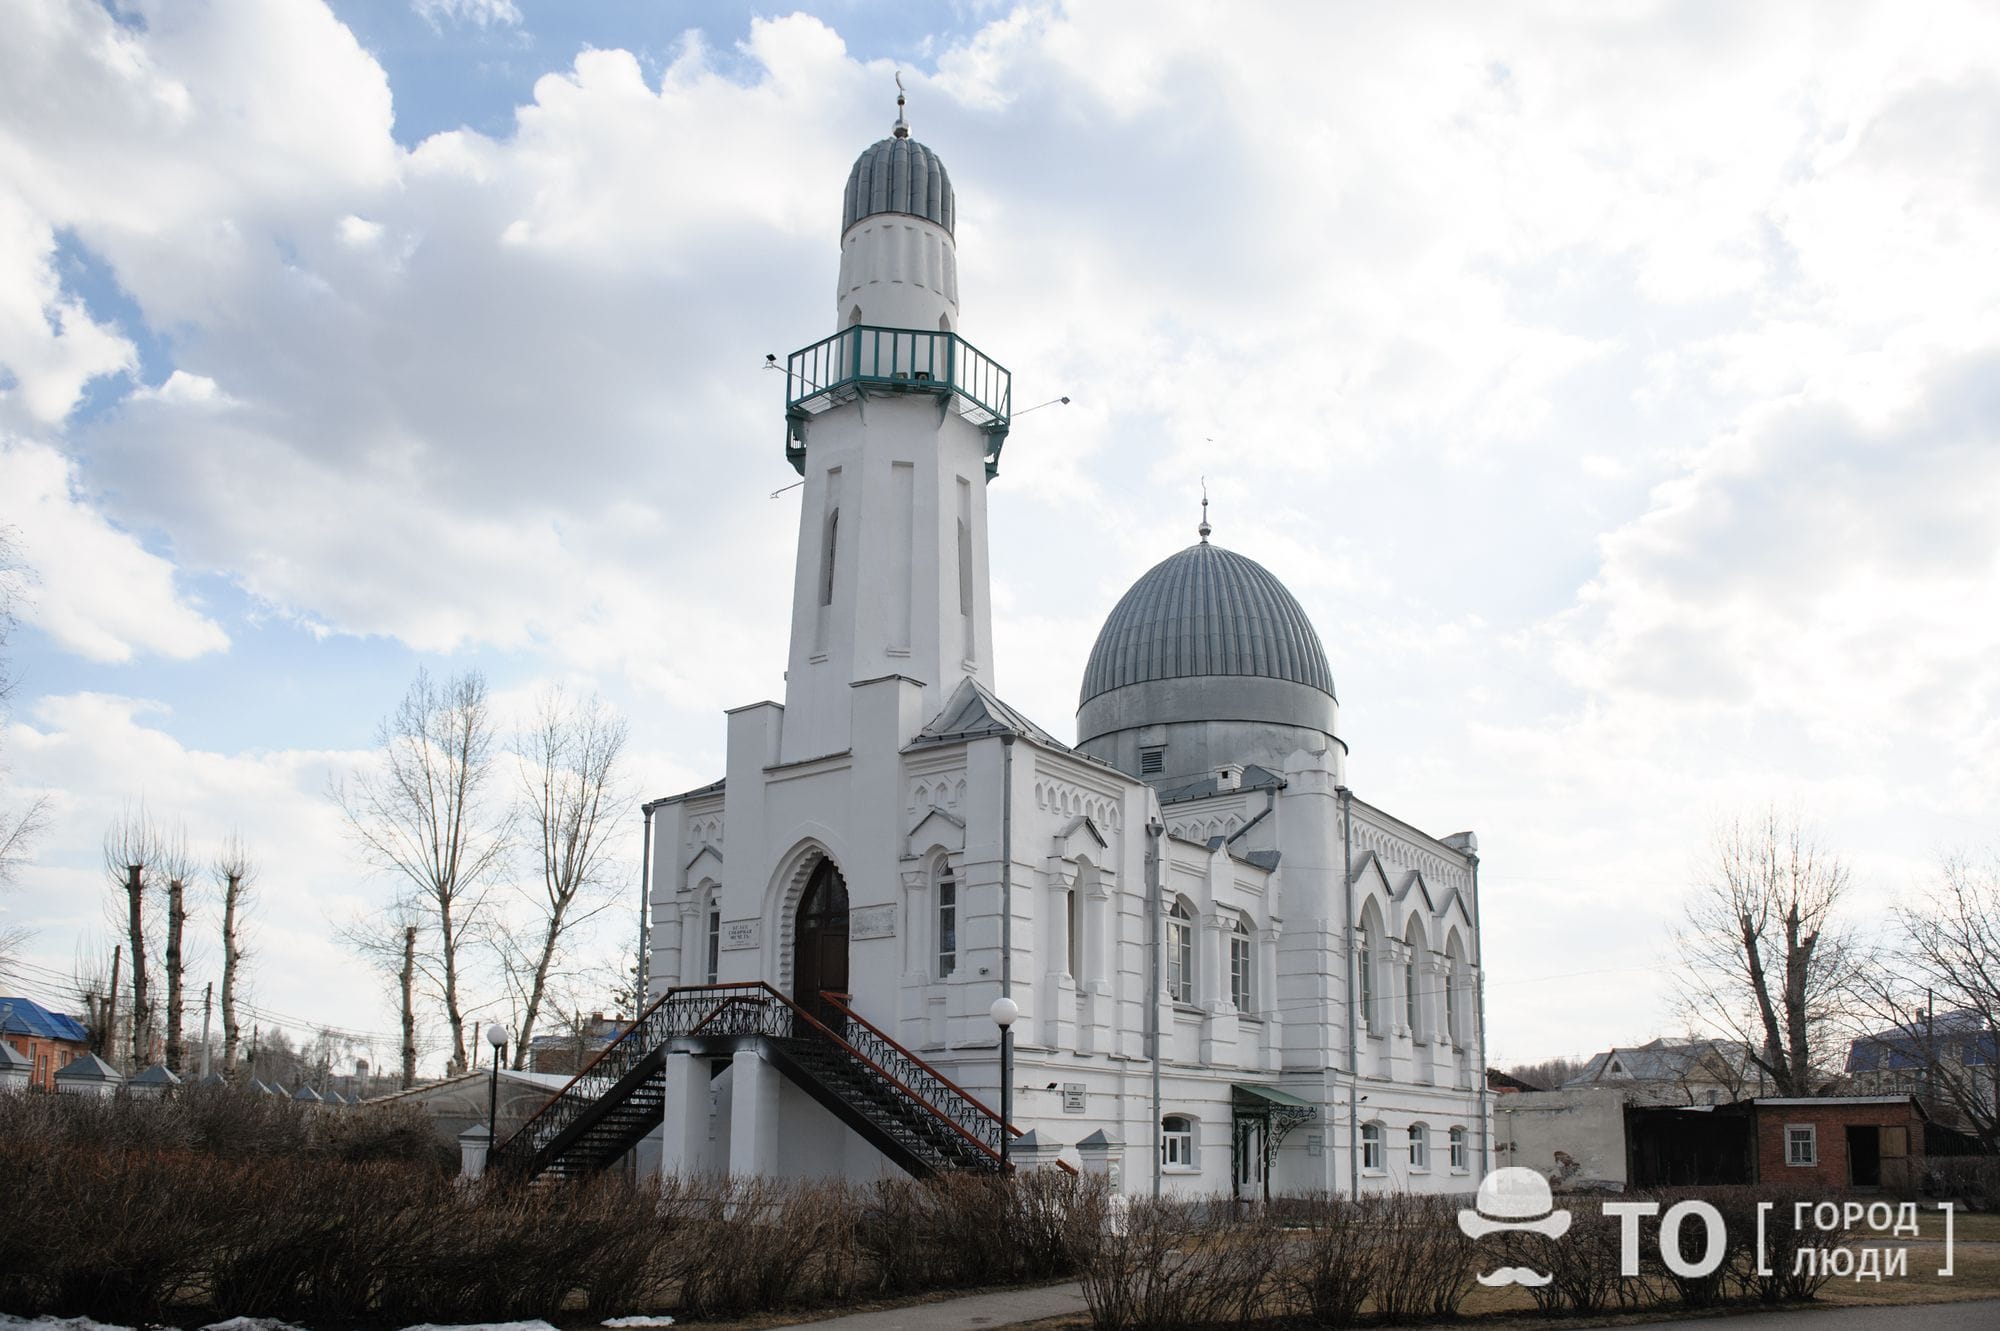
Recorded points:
(898, 260)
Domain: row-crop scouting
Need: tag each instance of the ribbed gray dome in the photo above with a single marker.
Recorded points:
(899, 175)
(1206, 611)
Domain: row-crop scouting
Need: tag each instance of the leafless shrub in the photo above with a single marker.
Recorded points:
(1972, 1180)
(1582, 1266)
(1331, 1267)
(1423, 1261)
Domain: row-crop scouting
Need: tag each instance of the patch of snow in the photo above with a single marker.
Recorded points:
(9, 1322)
(536, 1324)
(637, 1321)
(252, 1324)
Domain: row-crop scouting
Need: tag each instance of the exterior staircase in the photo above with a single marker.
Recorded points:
(898, 1103)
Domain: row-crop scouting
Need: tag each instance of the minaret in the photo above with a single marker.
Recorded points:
(896, 424)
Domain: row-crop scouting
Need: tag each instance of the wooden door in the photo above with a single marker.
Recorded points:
(820, 946)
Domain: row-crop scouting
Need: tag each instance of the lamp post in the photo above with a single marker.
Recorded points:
(1003, 1012)
(496, 1036)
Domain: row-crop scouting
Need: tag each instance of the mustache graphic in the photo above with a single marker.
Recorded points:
(1515, 1275)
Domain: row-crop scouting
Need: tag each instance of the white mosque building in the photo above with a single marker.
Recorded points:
(1231, 974)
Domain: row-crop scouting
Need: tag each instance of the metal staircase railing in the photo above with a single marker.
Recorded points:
(908, 1108)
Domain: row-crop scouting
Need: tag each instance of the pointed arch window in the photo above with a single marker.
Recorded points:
(947, 922)
(827, 558)
(1364, 975)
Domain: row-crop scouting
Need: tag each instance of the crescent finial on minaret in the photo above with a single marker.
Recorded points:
(902, 129)
(1204, 529)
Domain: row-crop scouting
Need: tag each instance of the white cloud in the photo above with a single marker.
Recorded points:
(96, 589)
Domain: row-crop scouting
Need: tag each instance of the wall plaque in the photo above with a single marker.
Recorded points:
(1073, 1097)
(739, 934)
(872, 922)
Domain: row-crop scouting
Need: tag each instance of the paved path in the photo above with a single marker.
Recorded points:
(1008, 1307)
(1977, 1315)
(975, 1312)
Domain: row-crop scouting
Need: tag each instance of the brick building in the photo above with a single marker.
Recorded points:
(1837, 1142)
(49, 1040)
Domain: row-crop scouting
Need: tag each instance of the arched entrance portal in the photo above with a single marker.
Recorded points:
(820, 940)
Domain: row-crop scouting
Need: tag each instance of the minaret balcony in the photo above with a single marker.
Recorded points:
(866, 359)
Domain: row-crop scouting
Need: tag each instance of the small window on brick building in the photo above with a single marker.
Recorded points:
(1801, 1144)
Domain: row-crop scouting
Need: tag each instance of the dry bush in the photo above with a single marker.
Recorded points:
(753, 1245)
(127, 1209)
(1972, 1180)
(1423, 1262)
(1583, 1266)
(1058, 1219)
(1176, 1265)
(1330, 1268)
(224, 1121)
(1783, 1241)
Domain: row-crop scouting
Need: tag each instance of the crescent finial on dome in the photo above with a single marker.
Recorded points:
(902, 126)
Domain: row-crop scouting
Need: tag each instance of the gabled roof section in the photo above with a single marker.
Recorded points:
(976, 712)
(1415, 880)
(707, 852)
(936, 828)
(1083, 823)
(1370, 860)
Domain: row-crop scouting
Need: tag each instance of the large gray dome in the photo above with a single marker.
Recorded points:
(899, 175)
(1206, 612)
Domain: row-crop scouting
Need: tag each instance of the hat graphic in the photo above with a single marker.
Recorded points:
(1513, 1198)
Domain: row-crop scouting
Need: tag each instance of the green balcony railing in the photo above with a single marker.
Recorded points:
(864, 358)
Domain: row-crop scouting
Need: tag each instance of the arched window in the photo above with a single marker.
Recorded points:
(1073, 931)
(1364, 973)
(1454, 985)
(1180, 953)
(947, 922)
(1373, 1156)
(1242, 979)
(1413, 994)
(826, 560)
(1460, 1162)
(1420, 1146)
(1177, 1142)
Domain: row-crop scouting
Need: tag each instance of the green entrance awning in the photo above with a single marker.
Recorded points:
(1265, 1099)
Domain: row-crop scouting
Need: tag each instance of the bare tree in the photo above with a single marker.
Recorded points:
(424, 813)
(388, 942)
(1936, 988)
(132, 851)
(571, 801)
(176, 867)
(236, 874)
(1767, 959)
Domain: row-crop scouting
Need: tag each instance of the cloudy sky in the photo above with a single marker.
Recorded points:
(1617, 386)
